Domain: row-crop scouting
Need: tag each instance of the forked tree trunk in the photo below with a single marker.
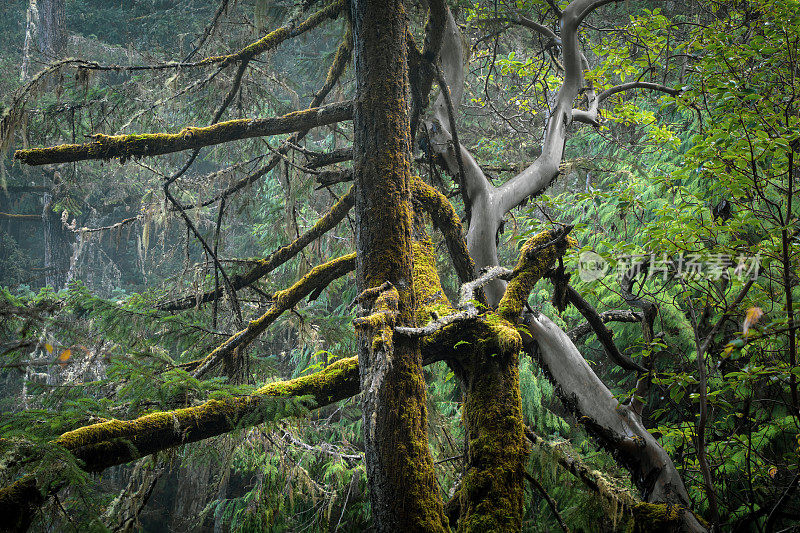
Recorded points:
(403, 489)
(621, 431)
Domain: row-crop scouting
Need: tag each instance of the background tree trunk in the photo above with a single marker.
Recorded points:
(45, 35)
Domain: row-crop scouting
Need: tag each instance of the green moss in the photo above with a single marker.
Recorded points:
(275, 37)
(446, 219)
(662, 517)
(316, 278)
(535, 259)
(380, 322)
(492, 489)
(427, 285)
(503, 334)
(118, 441)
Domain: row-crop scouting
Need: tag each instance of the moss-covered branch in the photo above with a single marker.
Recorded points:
(115, 442)
(446, 220)
(491, 493)
(150, 144)
(276, 37)
(317, 279)
(16, 216)
(604, 335)
(266, 43)
(537, 256)
(624, 509)
(277, 258)
(615, 315)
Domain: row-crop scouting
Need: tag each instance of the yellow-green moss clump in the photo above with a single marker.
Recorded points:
(445, 218)
(504, 337)
(537, 257)
(382, 318)
(491, 496)
(662, 517)
(431, 300)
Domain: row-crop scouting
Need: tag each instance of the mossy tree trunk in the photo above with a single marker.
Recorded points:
(491, 498)
(402, 483)
(491, 493)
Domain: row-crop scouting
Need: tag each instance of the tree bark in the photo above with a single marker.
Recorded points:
(403, 490)
(45, 34)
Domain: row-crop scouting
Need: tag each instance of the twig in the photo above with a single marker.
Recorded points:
(550, 501)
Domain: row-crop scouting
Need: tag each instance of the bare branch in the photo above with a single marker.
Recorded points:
(535, 26)
(268, 42)
(614, 424)
(637, 85)
(277, 258)
(618, 315)
(340, 61)
(420, 63)
(592, 116)
(603, 334)
(550, 501)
